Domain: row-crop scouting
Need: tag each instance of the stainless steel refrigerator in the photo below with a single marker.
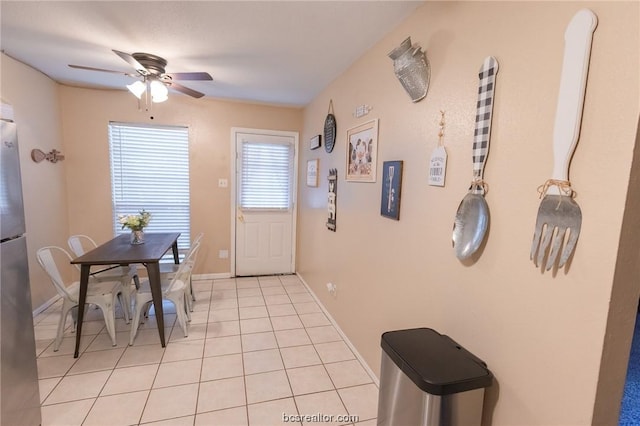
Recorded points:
(19, 394)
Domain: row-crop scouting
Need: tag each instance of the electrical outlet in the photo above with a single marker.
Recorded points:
(223, 183)
(223, 254)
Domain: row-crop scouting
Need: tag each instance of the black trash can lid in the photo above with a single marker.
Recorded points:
(435, 362)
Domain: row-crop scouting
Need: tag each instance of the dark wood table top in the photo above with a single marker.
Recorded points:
(120, 250)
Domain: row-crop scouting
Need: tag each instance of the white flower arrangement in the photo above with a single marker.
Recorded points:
(135, 222)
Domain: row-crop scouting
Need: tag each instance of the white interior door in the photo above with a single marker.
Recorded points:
(265, 188)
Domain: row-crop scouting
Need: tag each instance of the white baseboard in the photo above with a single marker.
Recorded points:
(217, 276)
(45, 305)
(344, 336)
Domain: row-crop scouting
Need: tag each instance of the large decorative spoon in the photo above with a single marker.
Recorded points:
(472, 217)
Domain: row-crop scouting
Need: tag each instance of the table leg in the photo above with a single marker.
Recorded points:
(82, 297)
(174, 247)
(153, 271)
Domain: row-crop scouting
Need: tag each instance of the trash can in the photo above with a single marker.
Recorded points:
(427, 379)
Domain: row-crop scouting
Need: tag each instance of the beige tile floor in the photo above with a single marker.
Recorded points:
(260, 351)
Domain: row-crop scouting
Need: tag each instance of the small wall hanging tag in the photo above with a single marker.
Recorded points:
(438, 161)
(438, 166)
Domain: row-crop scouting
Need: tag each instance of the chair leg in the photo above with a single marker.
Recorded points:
(181, 312)
(66, 307)
(59, 335)
(187, 305)
(193, 295)
(135, 323)
(127, 292)
(108, 310)
(147, 308)
(188, 298)
(74, 317)
(125, 303)
(187, 302)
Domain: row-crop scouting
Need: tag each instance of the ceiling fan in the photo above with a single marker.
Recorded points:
(155, 80)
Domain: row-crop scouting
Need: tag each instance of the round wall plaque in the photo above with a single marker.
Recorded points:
(330, 129)
(329, 132)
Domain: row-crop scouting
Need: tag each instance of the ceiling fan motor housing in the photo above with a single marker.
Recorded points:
(154, 64)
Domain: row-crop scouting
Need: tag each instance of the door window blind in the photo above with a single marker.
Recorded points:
(150, 171)
(266, 176)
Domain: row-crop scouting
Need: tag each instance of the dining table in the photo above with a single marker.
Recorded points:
(120, 251)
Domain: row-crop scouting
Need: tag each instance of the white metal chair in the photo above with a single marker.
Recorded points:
(167, 270)
(102, 294)
(80, 244)
(174, 290)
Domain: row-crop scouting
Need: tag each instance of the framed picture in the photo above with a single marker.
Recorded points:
(312, 172)
(362, 149)
(391, 188)
(314, 142)
(331, 199)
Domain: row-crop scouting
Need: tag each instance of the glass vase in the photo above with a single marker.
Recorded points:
(137, 237)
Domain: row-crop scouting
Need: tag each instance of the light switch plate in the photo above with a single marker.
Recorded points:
(223, 183)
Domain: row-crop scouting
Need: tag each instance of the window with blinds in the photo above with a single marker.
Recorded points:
(266, 176)
(150, 171)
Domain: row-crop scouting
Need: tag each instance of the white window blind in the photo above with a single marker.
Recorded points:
(266, 176)
(150, 171)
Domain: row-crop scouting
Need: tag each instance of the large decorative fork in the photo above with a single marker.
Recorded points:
(558, 213)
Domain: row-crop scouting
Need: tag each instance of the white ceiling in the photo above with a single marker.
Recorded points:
(279, 52)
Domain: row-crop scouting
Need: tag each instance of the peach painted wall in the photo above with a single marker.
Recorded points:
(34, 98)
(86, 114)
(541, 333)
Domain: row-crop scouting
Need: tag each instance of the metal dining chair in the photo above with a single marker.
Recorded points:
(167, 270)
(102, 294)
(174, 290)
(80, 244)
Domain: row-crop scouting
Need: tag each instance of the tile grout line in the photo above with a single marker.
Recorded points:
(366, 367)
(244, 371)
(242, 351)
(293, 396)
(204, 345)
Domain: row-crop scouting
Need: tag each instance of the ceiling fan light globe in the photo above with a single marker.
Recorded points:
(159, 98)
(159, 92)
(137, 88)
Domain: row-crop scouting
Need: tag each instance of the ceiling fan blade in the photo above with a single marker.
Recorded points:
(82, 67)
(190, 76)
(132, 61)
(185, 90)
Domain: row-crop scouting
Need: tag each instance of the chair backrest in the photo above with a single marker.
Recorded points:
(47, 259)
(80, 244)
(193, 255)
(197, 239)
(183, 274)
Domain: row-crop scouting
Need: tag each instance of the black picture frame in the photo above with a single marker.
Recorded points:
(315, 142)
(391, 189)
